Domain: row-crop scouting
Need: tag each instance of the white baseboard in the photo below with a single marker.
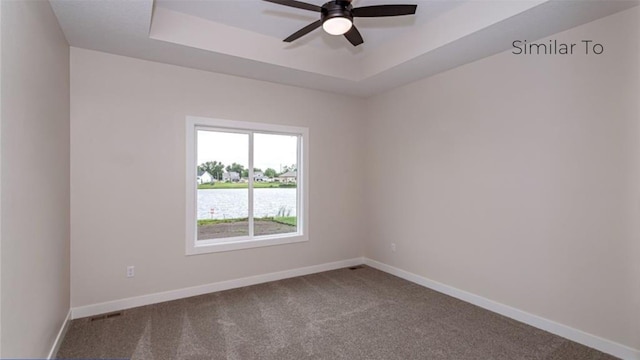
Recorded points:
(593, 341)
(128, 303)
(61, 333)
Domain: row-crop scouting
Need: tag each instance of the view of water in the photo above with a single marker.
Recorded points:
(234, 203)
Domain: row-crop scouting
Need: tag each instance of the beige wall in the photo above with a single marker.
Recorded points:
(517, 179)
(35, 179)
(128, 174)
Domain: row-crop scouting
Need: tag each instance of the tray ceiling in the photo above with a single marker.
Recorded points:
(244, 37)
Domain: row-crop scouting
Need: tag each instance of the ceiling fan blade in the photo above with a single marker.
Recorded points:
(384, 10)
(296, 4)
(304, 31)
(354, 37)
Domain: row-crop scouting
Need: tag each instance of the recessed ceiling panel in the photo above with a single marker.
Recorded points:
(281, 21)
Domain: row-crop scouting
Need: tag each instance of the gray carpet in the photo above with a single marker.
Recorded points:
(341, 314)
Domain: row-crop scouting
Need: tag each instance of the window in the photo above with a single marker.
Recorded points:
(246, 185)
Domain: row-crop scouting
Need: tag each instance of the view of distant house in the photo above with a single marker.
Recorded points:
(288, 177)
(231, 176)
(204, 177)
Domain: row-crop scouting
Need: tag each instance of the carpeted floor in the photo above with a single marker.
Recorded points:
(341, 314)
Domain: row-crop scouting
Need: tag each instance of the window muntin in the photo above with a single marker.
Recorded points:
(246, 185)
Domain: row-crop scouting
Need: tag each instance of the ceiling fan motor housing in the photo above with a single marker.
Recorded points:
(337, 8)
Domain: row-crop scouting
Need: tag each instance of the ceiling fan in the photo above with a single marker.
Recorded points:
(336, 17)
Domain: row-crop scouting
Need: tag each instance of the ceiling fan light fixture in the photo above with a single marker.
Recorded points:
(337, 25)
(336, 17)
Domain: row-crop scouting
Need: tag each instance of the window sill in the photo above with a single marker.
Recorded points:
(230, 244)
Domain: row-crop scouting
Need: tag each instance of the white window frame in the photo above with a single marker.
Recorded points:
(195, 246)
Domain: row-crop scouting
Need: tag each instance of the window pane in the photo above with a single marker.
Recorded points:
(223, 191)
(275, 194)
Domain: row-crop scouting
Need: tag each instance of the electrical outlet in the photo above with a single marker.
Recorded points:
(131, 271)
(393, 247)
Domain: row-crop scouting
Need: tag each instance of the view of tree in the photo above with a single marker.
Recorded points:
(214, 168)
(270, 173)
(286, 168)
(237, 168)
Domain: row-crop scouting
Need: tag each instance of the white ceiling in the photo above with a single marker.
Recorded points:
(281, 21)
(244, 37)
